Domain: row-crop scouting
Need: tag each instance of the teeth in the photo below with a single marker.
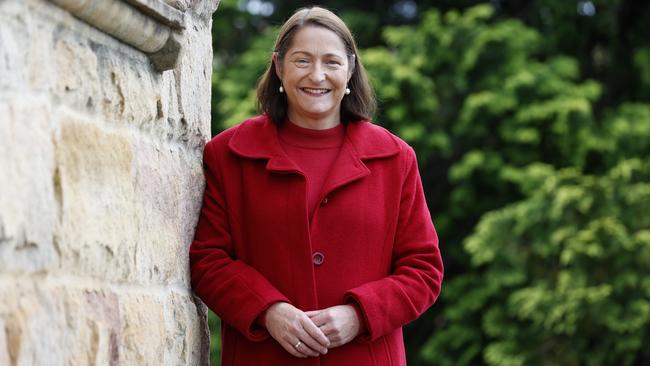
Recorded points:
(315, 91)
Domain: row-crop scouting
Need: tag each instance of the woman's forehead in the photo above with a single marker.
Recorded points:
(317, 40)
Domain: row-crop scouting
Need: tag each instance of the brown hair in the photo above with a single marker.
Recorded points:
(360, 104)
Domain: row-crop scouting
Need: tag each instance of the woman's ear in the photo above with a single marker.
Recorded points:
(278, 66)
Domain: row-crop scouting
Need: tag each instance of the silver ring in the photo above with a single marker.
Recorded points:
(298, 344)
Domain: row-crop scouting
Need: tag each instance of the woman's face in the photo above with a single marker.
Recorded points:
(314, 74)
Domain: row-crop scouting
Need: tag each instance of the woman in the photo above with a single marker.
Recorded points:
(315, 245)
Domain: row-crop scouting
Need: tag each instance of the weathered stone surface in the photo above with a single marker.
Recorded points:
(27, 200)
(100, 189)
(98, 230)
(168, 196)
(64, 322)
(77, 80)
(194, 104)
(126, 203)
(41, 51)
(185, 326)
(170, 327)
(13, 53)
(4, 351)
(26, 315)
(129, 89)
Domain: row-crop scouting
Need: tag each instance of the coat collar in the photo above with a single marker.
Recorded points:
(257, 138)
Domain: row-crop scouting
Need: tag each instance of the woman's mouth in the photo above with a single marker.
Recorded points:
(315, 91)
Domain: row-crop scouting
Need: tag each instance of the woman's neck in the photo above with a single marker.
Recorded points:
(314, 123)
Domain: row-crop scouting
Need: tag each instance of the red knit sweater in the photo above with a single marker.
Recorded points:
(314, 151)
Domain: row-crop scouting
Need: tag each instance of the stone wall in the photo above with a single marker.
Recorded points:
(100, 184)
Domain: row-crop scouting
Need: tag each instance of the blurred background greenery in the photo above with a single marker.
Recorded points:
(531, 120)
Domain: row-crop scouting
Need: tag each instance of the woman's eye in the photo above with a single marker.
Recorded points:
(333, 62)
(302, 62)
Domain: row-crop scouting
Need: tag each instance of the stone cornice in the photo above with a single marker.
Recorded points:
(151, 26)
(166, 14)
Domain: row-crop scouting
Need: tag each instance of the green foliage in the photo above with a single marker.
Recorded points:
(474, 98)
(215, 338)
(560, 277)
(234, 93)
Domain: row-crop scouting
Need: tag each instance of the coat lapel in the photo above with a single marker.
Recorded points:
(257, 138)
(347, 168)
(364, 141)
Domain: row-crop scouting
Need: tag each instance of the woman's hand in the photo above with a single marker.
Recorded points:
(339, 323)
(290, 327)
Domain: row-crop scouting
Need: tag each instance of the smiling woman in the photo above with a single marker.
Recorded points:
(314, 230)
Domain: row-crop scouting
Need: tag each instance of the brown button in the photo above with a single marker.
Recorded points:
(324, 201)
(318, 258)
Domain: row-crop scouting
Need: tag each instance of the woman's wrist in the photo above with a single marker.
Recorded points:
(357, 310)
(261, 319)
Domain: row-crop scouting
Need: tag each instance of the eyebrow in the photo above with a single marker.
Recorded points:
(310, 54)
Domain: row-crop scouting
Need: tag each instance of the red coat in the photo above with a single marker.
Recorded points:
(371, 240)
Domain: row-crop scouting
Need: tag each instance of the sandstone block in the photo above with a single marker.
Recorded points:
(77, 82)
(186, 325)
(194, 102)
(52, 322)
(13, 53)
(28, 208)
(4, 351)
(161, 329)
(128, 205)
(130, 91)
(98, 230)
(143, 330)
(26, 313)
(168, 186)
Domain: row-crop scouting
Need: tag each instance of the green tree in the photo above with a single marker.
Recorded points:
(559, 278)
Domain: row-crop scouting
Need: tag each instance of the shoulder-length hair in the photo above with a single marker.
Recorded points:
(359, 105)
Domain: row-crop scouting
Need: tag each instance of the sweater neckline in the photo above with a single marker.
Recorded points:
(294, 135)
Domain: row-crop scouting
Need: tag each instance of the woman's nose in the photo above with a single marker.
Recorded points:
(317, 73)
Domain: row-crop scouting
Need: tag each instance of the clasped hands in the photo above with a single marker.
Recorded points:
(311, 333)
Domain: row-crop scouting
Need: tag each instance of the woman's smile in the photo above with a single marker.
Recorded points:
(315, 92)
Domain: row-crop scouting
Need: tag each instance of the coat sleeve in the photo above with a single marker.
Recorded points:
(417, 269)
(232, 289)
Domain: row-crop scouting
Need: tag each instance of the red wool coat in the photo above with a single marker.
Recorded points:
(371, 241)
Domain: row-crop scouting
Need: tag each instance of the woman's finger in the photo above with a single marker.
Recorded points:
(305, 349)
(301, 347)
(317, 317)
(291, 349)
(311, 344)
(313, 332)
(328, 330)
(312, 313)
